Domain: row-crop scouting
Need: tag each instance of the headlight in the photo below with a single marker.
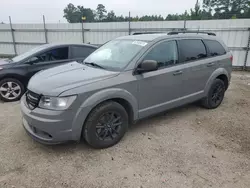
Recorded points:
(56, 103)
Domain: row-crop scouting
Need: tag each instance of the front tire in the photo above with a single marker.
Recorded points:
(106, 125)
(11, 90)
(215, 95)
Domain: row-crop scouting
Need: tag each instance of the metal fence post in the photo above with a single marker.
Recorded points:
(13, 36)
(45, 30)
(247, 51)
(82, 33)
(129, 26)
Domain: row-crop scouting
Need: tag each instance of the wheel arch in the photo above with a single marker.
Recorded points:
(18, 77)
(220, 73)
(121, 96)
(224, 78)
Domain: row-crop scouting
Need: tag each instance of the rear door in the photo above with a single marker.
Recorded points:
(80, 52)
(216, 53)
(48, 59)
(196, 67)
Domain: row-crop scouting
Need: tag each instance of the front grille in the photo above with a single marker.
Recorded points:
(32, 99)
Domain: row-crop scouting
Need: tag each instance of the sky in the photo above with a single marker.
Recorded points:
(31, 11)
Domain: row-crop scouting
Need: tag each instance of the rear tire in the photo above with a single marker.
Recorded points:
(11, 89)
(215, 95)
(106, 125)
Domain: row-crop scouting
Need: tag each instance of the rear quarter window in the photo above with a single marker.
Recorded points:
(214, 48)
(191, 50)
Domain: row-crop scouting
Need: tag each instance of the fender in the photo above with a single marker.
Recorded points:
(19, 77)
(214, 75)
(96, 99)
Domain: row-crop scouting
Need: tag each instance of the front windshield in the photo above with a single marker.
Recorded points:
(28, 53)
(116, 54)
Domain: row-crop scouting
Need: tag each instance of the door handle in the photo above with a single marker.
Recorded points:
(177, 73)
(210, 64)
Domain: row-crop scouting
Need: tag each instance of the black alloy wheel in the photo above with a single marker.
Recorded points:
(106, 125)
(215, 95)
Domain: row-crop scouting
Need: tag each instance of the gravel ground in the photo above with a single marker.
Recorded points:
(186, 147)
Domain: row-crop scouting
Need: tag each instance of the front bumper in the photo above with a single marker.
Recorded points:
(47, 126)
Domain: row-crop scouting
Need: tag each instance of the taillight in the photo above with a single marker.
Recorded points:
(231, 58)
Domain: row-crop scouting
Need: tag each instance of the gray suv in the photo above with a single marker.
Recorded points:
(125, 80)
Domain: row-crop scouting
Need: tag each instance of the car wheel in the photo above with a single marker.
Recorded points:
(11, 90)
(215, 95)
(106, 125)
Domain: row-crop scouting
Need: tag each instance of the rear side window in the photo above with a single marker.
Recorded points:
(81, 51)
(191, 50)
(214, 47)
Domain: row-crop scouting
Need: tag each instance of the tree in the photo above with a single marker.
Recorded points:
(70, 13)
(151, 18)
(221, 9)
(101, 11)
(226, 9)
(135, 18)
(74, 14)
(196, 13)
(120, 18)
(86, 12)
(111, 17)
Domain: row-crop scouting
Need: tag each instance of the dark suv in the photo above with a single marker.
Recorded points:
(16, 72)
(125, 80)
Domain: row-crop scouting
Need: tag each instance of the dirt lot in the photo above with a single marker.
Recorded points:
(185, 147)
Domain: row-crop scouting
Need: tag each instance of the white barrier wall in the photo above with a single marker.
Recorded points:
(235, 34)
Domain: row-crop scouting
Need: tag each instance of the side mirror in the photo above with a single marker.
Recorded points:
(147, 66)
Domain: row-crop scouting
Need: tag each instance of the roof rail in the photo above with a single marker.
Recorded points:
(202, 32)
(141, 33)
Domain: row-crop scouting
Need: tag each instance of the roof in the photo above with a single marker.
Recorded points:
(151, 37)
(143, 37)
(61, 44)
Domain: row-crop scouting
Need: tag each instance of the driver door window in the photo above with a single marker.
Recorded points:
(55, 54)
(165, 53)
(51, 55)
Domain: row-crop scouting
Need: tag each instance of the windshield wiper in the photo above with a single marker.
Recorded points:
(93, 64)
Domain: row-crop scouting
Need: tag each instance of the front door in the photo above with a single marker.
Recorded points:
(49, 59)
(157, 89)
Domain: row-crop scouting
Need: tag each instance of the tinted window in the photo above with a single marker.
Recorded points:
(54, 54)
(192, 49)
(215, 48)
(81, 52)
(30, 53)
(165, 54)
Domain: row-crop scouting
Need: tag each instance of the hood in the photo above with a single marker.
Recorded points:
(54, 81)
